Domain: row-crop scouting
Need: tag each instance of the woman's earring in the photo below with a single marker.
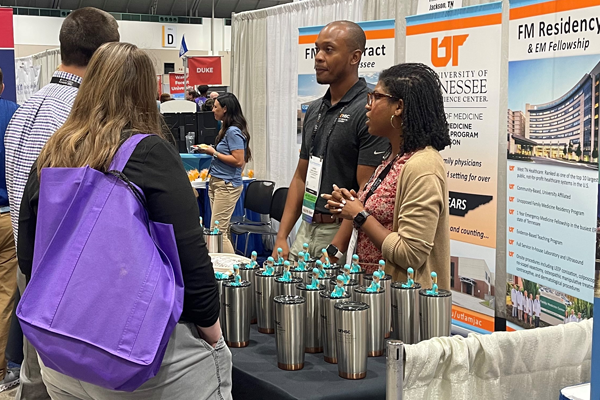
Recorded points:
(392, 122)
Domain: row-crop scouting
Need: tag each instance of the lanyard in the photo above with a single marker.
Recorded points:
(65, 82)
(316, 128)
(381, 176)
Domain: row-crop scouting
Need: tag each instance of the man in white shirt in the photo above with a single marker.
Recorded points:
(520, 304)
(530, 306)
(537, 310)
(513, 300)
(573, 317)
(579, 319)
(526, 311)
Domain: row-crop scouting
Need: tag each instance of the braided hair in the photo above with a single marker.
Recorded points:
(423, 119)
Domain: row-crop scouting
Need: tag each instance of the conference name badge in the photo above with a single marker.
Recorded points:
(311, 190)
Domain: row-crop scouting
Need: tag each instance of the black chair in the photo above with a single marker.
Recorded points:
(275, 212)
(259, 195)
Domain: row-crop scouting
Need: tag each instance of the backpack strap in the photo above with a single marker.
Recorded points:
(125, 151)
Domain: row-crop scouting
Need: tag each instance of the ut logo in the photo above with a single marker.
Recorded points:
(450, 44)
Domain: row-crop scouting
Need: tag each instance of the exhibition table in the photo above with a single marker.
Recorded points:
(195, 161)
(256, 376)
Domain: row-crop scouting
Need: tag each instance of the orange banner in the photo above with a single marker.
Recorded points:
(452, 24)
(550, 7)
(473, 318)
(378, 34)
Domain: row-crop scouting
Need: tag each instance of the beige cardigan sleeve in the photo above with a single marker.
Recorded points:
(419, 211)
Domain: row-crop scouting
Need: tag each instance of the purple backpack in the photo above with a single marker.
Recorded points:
(106, 289)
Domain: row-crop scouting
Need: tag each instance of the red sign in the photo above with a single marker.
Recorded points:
(159, 84)
(176, 83)
(205, 70)
(6, 29)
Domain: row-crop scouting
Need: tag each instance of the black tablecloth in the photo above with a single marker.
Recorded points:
(256, 376)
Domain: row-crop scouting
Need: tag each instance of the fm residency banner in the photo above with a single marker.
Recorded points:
(463, 47)
(7, 54)
(552, 177)
(378, 56)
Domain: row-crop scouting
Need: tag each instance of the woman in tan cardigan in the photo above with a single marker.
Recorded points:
(402, 213)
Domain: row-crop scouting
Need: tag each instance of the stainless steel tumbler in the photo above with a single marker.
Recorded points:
(236, 301)
(436, 313)
(264, 301)
(351, 338)
(348, 286)
(385, 284)
(306, 275)
(290, 314)
(328, 324)
(358, 277)
(332, 269)
(405, 313)
(247, 273)
(325, 280)
(278, 268)
(214, 241)
(285, 288)
(375, 319)
(312, 332)
(220, 282)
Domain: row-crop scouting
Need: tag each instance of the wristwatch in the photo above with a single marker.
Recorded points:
(360, 219)
(333, 251)
(216, 155)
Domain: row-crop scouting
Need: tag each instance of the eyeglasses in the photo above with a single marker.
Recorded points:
(371, 96)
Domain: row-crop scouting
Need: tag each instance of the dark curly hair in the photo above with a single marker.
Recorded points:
(423, 119)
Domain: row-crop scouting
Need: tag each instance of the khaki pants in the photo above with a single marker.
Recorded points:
(318, 237)
(223, 198)
(8, 284)
(191, 370)
(32, 387)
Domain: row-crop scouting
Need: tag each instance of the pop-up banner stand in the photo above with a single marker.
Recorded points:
(463, 47)
(552, 168)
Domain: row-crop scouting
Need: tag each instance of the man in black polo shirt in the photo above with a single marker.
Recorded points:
(335, 140)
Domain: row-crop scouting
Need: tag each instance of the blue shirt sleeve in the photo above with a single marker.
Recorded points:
(235, 139)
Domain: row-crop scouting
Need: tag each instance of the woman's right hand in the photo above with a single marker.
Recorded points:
(212, 334)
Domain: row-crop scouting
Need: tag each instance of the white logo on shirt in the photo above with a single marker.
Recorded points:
(344, 118)
(379, 152)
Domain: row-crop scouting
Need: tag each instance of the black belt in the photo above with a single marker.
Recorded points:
(320, 218)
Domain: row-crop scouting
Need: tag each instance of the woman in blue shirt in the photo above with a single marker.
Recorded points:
(230, 155)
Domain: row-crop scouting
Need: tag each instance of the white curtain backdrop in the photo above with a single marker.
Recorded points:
(34, 72)
(249, 79)
(48, 61)
(27, 78)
